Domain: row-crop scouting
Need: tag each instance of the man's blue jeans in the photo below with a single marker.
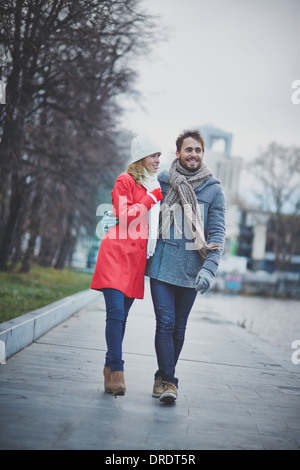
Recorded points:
(117, 309)
(172, 305)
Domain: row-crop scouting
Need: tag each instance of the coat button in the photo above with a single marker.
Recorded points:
(142, 246)
(133, 243)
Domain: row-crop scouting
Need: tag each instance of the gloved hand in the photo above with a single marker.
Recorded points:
(109, 221)
(157, 194)
(203, 281)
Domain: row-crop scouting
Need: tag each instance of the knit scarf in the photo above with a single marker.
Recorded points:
(150, 183)
(181, 190)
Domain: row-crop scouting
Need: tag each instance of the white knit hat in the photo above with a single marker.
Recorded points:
(143, 146)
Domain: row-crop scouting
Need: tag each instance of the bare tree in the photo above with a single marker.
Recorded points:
(66, 64)
(278, 171)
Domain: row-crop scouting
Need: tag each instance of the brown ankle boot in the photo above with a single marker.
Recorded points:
(107, 380)
(118, 383)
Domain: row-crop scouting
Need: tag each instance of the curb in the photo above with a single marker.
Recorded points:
(19, 332)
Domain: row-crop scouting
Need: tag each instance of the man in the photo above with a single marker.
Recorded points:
(188, 251)
(189, 246)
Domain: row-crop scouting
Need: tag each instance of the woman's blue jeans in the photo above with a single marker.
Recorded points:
(172, 305)
(117, 309)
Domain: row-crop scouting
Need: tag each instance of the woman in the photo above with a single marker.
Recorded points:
(120, 268)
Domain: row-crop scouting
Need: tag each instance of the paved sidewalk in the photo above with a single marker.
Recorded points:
(235, 390)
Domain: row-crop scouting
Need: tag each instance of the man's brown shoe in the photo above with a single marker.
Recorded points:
(158, 387)
(169, 394)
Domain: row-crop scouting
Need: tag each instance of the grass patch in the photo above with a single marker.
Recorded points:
(21, 293)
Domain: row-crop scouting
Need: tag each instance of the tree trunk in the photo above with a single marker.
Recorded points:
(47, 253)
(34, 228)
(14, 212)
(26, 263)
(66, 244)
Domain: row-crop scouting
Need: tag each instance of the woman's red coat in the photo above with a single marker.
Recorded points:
(122, 255)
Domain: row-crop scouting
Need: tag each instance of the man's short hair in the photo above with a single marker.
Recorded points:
(185, 134)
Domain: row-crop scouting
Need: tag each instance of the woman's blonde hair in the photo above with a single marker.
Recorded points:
(136, 170)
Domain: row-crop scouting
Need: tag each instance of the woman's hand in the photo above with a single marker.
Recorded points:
(157, 194)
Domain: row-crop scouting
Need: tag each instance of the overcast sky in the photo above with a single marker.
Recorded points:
(228, 63)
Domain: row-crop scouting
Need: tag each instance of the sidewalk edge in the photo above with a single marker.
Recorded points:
(24, 330)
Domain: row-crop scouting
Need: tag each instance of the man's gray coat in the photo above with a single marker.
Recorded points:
(176, 260)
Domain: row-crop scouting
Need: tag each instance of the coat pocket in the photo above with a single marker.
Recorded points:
(193, 262)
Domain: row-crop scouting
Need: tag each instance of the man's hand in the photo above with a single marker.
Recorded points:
(203, 281)
(109, 221)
